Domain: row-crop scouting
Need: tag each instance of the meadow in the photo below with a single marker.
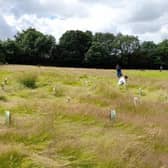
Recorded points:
(60, 117)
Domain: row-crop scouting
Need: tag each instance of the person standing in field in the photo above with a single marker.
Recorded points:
(118, 71)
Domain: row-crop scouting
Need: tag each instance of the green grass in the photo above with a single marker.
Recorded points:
(28, 80)
(58, 90)
(60, 117)
(11, 159)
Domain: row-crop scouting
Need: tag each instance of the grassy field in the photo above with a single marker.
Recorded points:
(61, 118)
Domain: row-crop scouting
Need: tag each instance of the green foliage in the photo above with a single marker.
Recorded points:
(28, 80)
(2, 53)
(162, 50)
(104, 38)
(12, 51)
(78, 48)
(97, 54)
(148, 54)
(36, 47)
(125, 46)
(74, 44)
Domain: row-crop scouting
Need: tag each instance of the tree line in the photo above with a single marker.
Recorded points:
(77, 48)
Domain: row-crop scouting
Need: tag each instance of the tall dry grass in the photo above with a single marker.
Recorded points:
(74, 128)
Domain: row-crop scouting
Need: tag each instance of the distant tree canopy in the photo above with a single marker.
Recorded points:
(74, 45)
(2, 52)
(83, 49)
(35, 47)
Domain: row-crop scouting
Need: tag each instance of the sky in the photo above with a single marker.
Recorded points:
(147, 19)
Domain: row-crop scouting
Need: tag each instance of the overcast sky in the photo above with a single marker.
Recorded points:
(148, 19)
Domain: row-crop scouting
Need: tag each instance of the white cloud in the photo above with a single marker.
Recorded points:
(6, 31)
(147, 19)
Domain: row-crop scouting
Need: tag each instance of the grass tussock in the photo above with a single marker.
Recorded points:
(3, 98)
(16, 156)
(11, 159)
(28, 80)
(58, 90)
(106, 89)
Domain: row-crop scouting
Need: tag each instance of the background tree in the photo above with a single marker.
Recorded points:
(162, 51)
(106, 41)
(13, 52)
(148, 55)
(104, 37)
(56, 56)
(36, 47)
(125, 47)
(79, 49)
(2, 53)
(74, 45)
(97, 55)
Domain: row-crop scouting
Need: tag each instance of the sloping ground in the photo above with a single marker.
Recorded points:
(63, 120)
